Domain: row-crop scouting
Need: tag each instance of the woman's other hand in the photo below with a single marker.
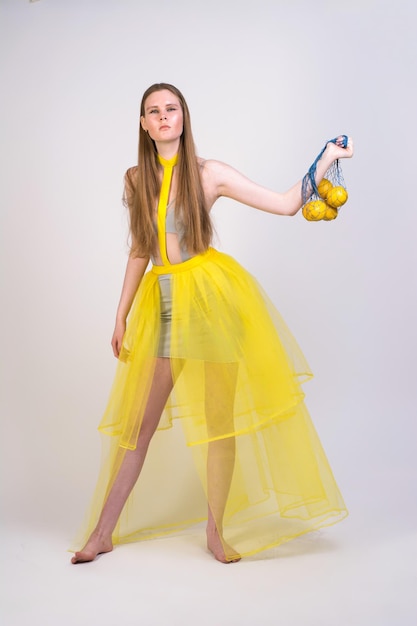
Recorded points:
(118, 334)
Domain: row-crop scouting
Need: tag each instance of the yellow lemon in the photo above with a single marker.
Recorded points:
(336, 197)
(314, 210)
(324, 187)
(330, 214)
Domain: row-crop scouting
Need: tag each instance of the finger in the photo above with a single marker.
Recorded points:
(341, 141)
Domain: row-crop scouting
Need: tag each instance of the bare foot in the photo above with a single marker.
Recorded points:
(220, 549)
(95, 545)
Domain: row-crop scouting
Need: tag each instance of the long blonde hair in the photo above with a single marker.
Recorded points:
(142, 188)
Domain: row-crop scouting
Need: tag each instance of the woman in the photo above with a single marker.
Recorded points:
(205, 345)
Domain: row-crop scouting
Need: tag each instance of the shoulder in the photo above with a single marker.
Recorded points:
(131, 178)
(222, 179)
(214, 172)
(131, 173)
(212, 166)
(211, 173)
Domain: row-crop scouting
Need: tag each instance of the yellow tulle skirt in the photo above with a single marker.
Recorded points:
(251, 451)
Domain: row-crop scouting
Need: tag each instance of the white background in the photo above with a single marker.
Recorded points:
(267, 83)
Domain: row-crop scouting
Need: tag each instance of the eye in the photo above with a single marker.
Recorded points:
(171, 108)
(153, 111)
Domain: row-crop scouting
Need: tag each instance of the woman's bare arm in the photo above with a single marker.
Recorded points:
(224, 180)
(135, 270)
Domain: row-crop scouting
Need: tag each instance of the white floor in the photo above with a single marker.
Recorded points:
(342, 576)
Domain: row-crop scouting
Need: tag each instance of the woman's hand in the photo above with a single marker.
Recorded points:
(337, 151)
(116, 342)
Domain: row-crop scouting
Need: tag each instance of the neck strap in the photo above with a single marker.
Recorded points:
(168, 162)
(168, 165)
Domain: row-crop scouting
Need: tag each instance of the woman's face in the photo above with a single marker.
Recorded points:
(163, 118)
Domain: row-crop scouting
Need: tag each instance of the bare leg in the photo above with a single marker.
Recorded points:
(220, 465)
(220, 393)
(130, 468)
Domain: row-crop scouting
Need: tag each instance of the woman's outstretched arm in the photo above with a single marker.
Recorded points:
(228, 182)
(135, 270)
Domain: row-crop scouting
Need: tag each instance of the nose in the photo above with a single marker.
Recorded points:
(163, 116)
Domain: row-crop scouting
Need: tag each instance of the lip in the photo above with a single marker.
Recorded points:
(165, 127)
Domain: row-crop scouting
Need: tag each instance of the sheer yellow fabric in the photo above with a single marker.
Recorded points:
(237, 372)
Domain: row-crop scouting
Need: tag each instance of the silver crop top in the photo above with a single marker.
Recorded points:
(176, 227)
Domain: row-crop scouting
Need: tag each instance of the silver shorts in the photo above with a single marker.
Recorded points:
(166, 315)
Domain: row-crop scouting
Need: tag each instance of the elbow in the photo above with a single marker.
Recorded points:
(293, 212)
(290, 211)
(290, 204)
